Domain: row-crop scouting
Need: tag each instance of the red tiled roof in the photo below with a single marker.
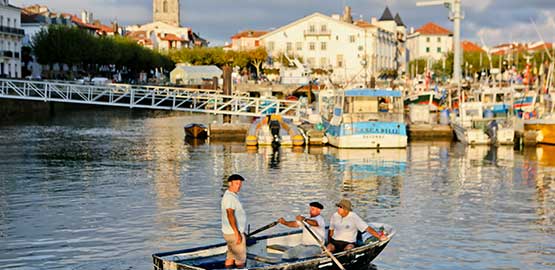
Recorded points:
(468, 46)
(249, 33)
(105, 28)
(79, 22)
(171, 37)
(364, 24)
(433, 29)
(548, 46)
(137, 35)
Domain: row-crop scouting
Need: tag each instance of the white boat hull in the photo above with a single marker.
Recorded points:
(474, 136)
(368, 141)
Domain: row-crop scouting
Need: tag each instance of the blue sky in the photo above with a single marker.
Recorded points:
(496, 21)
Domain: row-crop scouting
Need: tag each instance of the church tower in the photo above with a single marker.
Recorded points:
(166, 11)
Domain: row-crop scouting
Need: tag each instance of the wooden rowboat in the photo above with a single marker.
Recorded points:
(195, 130)
(264, 253)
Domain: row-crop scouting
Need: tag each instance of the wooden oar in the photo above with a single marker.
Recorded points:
(262, 228)
(333, 258)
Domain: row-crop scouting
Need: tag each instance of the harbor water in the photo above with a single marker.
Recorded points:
(106, 189)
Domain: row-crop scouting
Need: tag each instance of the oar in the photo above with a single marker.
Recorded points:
(262, 228)
(333, 258)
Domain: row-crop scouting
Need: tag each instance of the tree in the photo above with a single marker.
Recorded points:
(257, 57)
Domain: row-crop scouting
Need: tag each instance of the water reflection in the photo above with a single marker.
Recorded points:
(374, 175)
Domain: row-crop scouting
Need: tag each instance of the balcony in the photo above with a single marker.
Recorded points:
(11, 30)
(8, 54)
(317, 33)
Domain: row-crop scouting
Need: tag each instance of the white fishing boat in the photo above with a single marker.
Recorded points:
(367, 118)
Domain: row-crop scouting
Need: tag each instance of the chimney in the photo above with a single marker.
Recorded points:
(374, 21)
(347, 15)
(84, 16)
(412, 30)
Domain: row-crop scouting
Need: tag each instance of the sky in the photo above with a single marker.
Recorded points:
(486, 22)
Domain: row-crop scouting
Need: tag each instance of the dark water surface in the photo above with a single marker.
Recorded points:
(105, 190)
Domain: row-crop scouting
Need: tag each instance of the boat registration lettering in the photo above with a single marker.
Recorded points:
(373, 136)
(378, 130)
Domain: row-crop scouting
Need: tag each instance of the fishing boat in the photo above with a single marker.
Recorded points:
(367, 118)
(431, 98)
(195, 130)
(265, 253)
(259, 132)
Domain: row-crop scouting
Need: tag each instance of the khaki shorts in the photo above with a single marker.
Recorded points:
(237, 252)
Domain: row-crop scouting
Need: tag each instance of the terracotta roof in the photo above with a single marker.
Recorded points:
(80, 23)
(468, 46)
(363, 24)
(249, 33)
(433, 29)
(105, 28)
(548, 46)
(170, 37)
(386, 16)
(137, 35)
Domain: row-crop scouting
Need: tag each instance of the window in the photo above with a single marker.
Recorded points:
(310, 61)
(165, 7)
(360, 48)
(352, 38)
(9, 21)
(288, 46)
(1, 20)
(323, 62)
(438, 39)
(312, 28)
(339, 60)
(323, 46)
(427, 49)
(428, 39)
(312, 46)
(438, 49)
(299, 46)
(323, 28)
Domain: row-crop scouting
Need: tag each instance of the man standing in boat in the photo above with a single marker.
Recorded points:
(234, 220)
(344, 225)
(308, 247)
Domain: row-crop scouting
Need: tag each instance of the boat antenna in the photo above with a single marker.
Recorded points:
(543, 41)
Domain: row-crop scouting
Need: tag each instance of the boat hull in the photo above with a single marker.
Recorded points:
(367, 135)
(545, 129)
(196, 131)
(258, 257)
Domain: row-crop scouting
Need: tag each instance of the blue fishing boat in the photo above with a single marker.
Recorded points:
(367, 118)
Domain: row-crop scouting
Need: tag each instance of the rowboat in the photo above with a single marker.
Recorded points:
(265, 252)
(195, 130)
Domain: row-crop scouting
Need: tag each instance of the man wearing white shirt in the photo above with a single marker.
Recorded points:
(344, 226)
(309, 246)
(234, 221)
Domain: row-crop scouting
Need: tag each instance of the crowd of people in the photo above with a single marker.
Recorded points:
(342, 233)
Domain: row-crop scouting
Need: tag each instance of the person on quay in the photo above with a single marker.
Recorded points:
(234, 220)
(344, 225)
(309, 247)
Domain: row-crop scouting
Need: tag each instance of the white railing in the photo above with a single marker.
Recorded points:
(148, 97)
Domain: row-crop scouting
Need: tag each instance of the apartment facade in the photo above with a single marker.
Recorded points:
(351, 51)
(11, 36)
(430, 41)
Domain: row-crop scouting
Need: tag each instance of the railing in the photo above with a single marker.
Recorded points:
(148, 97)
(12, 30)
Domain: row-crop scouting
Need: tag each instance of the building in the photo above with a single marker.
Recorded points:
(470, 47)
(11, 36)
(350, 51)
(38, 17)
(194, 75)
(430, 41)
(166, 11)
(165, 32)
(246, 40)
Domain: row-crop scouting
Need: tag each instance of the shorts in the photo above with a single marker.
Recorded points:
(237, 252)
(340, 245)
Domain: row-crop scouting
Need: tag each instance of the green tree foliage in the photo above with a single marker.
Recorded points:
(75, 47)
(217, 56)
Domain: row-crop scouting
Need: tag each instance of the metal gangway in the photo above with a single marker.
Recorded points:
(148, 97)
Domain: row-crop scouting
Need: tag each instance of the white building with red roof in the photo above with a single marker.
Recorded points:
(246, 40)
(430, 41)
(161, 36)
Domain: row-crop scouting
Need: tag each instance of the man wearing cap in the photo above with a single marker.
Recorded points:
(234, 220)
(344, 225)
(309, 247)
